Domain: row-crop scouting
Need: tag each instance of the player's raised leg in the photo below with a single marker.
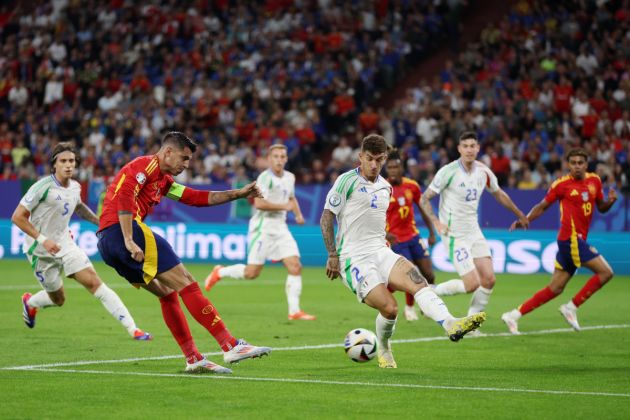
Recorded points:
(406, 277)
(89, 279)
(180, 280)
(176, 322)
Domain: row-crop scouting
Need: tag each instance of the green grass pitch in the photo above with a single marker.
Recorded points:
(550, 373)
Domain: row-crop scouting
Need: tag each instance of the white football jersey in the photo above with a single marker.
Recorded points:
(361, 209)
(276, 190)
(460, 192)
(51, 206)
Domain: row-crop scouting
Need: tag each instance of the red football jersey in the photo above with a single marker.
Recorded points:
(400, 215)
(578, 199)
(138, 187)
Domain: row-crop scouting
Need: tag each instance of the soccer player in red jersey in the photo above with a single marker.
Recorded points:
(402, 233)
(578, 194)
(146, 260)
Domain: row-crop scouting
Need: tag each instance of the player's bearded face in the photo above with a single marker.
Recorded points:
(371, 164)
(176, 161)
(577, 166)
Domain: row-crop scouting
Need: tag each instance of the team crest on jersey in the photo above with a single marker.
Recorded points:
(141, 178)
(591, 189)
(401, 201)
(334, 200)
(585, 195)
(408, 195)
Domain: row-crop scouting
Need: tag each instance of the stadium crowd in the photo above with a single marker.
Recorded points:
(238, 76)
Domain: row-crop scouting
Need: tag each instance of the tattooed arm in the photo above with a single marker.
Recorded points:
(327, 224)
(86, 213)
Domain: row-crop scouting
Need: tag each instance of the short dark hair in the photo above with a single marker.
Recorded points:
(179, 140)
(577, 151)
(393, 154)
(374, 144)
(66, 146)
(468, 135)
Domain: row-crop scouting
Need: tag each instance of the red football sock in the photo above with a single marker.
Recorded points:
(542, 296)
(204, 312)
(592, 285)
(409, 299)
(177, 323)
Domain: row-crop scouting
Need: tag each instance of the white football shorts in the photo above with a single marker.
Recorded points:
(363, 273)
(463, 250)
(274, 246)
(47, 270)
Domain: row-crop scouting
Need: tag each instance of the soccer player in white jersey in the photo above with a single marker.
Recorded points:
(43, 215)
(460, 185)
(359, 200)
(269, 235)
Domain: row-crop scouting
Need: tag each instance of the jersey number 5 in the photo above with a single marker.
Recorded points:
(65, 209)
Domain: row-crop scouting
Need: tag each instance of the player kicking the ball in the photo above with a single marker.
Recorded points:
(43, 214)
(359, 200)
(146, 260)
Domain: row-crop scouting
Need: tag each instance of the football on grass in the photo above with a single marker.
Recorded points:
(360, 345)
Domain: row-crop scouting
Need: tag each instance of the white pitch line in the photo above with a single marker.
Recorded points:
(307, 347)
(72, 285)
(346, 383)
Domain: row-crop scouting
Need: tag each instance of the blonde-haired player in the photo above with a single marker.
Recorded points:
(269, 235)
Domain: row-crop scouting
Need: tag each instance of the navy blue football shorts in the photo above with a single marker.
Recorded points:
(572, 253)
(413, 249)
(158, 254)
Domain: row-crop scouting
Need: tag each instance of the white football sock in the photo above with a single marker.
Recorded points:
(516, 314)
(116, 307)
(236, 271)
(384, 330)
(40, 300)
(433, 306)
(450, 287)
(479, 300)
(293, 289)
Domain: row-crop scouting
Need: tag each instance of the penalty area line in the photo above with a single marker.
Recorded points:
(310, 347)
(340, 383)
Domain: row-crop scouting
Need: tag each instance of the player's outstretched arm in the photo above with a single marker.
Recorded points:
(199, 198)
(86, 213)
(604, 206)
(21, 217)
(505, 200)
(533, 214)
(327, 224)
(425, 205)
